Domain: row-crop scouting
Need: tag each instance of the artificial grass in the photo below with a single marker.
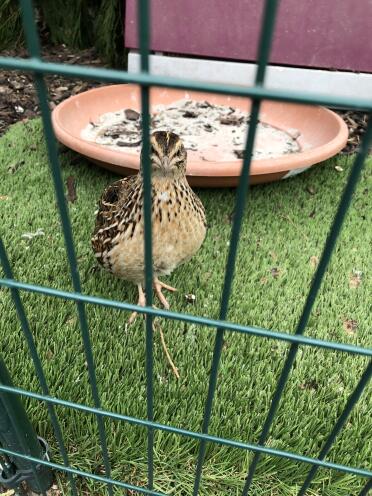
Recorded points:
(284, 228)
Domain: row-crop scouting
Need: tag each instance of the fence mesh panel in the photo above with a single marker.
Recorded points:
(257, 93)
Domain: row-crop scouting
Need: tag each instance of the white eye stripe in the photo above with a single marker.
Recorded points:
(177, 148)
(156, 147)
(155, 159)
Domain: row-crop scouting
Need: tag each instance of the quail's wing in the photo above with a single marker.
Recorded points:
(114, 213)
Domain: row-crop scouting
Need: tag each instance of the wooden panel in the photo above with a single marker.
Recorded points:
(334, 34)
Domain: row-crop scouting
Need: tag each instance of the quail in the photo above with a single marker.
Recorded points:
(178, 219)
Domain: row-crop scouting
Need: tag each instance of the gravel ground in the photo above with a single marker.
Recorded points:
(18, 100)
(357, 124)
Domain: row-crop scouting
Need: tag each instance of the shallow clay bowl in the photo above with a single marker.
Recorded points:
(322, 133)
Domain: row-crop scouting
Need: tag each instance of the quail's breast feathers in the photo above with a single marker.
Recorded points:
(178, 218)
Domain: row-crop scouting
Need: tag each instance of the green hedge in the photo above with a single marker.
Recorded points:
(76, 23)
(10, 24)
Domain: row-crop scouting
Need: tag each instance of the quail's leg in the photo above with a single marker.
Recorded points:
(158, 286)
(141, 302)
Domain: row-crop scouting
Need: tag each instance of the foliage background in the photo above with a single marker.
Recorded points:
(76, 23)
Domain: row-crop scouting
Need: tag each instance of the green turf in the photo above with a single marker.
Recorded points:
(285, 225)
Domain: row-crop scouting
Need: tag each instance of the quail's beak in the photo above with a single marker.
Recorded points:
(165, 163)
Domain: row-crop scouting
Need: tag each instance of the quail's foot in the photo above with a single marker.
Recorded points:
(141, 302)
(158, 286)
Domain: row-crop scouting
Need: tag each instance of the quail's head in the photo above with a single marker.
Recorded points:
(167, 155)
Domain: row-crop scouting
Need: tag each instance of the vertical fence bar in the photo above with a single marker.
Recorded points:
(314, 288)
(144, 37)
(267, 28)
(366, 489)
(37, 362)
(34, 49)
(354, 397)
(18, 434)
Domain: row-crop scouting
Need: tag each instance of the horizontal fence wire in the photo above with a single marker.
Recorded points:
(192, 319)
(87, 475)
(145, 79)
(191, 434)
(266, 31)
(257, 93)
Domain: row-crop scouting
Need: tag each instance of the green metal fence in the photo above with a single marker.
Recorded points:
(25, 458)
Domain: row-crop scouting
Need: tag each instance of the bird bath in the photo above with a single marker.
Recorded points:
(319, 134)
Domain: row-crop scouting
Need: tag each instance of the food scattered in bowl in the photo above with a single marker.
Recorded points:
(207, 131)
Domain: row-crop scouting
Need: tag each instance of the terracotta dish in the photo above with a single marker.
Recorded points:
(322, 133)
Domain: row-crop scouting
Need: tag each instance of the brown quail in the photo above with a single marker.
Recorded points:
(178, 219)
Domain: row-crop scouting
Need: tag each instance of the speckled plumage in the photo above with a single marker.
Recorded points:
(178, 217)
